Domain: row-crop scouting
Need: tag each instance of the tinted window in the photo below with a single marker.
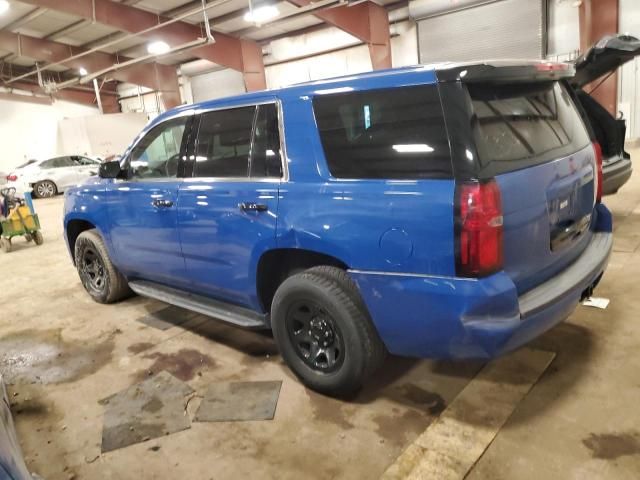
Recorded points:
(265, 151)
(396, 133)
(84, 161)
(157, 155)
(61, 162)
(48, 163)
(224, 143)
(517, 126)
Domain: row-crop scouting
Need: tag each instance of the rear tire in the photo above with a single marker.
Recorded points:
(98, 275)
(45, 189)
(5, 243)
(38, 238)
(324, 332)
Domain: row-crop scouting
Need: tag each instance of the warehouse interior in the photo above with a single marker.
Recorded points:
(81, 79)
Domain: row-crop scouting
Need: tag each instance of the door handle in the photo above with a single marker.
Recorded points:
(252, 207)
(160, 203)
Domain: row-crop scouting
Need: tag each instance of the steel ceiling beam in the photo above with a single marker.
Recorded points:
(239, 54)
(109, 100)
(151, 75)
(367, 21)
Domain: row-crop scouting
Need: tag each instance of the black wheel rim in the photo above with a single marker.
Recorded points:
(92, 271)
(315, 336)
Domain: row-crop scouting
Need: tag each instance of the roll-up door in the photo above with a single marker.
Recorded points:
(480, 30)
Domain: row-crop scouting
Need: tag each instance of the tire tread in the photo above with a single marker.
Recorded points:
(118, 285)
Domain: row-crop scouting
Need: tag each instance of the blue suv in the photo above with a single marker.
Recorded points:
(448, 211)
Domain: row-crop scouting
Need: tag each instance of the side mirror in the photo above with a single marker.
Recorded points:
(109, 170)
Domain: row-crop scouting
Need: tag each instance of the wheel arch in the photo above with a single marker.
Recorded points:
(276, 265)
(74, 227)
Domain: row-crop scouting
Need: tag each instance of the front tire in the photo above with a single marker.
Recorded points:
(45, 189)
(324, 332)
(98, 275)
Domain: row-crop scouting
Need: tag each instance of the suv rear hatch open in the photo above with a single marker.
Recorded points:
(601, 60)
(521, 128)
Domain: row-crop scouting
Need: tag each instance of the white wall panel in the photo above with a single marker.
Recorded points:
(404, 45)
(564, 28)
(29, 130)
(217, 84)
(629, 78)
(101, 135)
(343, 62)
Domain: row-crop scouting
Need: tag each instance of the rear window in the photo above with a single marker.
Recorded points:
(394, 133)
(518, 126)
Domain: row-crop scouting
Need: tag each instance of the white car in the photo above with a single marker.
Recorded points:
(49, 177)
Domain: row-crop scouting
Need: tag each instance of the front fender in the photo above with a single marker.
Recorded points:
(88, 203)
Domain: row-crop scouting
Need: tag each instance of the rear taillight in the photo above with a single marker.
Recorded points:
(12, 177)
(478, 229)
(598, 177)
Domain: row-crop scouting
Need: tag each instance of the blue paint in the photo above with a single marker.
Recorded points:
(396, 237)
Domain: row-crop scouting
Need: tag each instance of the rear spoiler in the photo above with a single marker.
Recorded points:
(505, 72)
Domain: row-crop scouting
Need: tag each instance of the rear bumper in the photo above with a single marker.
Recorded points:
(615, 175)
(450, 317)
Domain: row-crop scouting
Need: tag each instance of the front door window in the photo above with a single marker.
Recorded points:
(157, 155)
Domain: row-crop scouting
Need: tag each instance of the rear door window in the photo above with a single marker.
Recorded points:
(521, 125)
(396, 133)
(265, 150)
(224, 143)
(62, 162)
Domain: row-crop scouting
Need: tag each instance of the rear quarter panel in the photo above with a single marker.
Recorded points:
(378, 225)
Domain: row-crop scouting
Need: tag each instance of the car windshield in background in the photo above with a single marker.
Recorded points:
(521, 125)
(396, 133)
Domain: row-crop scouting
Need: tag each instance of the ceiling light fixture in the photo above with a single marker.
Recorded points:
(261, 13)
(82, 71)
(4, 6)
(158, 48)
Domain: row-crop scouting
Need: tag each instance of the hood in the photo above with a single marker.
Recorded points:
(604, 57)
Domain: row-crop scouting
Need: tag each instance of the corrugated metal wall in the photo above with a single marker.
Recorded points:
(498, 29)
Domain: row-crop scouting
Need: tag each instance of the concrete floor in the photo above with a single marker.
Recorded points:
(64, 353)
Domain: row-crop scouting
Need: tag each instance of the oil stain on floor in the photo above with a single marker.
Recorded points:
(183, 364)
(44, 356)
(610, 446)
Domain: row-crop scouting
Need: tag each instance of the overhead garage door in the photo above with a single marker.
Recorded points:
(479, 30)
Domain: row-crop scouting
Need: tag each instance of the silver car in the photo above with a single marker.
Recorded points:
(50, 177)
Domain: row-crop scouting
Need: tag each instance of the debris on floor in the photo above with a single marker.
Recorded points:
(596, 302)
(150, 409)
(239, 401)
(168, 317)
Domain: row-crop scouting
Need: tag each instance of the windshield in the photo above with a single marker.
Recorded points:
(521, 125)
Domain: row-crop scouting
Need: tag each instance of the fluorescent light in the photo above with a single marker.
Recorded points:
(158, 48)
(82, 71)
(261, 14)
(413, 148)
(4, 6)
